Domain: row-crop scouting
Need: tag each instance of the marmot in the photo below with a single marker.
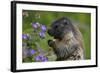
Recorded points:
(68, 42)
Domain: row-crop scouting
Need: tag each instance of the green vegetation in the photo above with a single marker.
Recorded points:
(83, 20)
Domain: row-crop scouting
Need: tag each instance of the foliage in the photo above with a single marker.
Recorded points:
(35, 37)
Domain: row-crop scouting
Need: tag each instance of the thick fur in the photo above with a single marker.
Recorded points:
(68, 41)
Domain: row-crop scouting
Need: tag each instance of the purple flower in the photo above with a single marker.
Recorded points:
(41, 55)
(44, 59)
(40, 50)
(25, 52)
(42, 34)
(35, 25)
(37, 58)
(24, 36)
(43, 27)
(32, 51)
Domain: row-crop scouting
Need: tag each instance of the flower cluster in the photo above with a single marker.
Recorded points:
(24, 36)
(31, 49)
(41, 57)
(36, 55)
(42, 29)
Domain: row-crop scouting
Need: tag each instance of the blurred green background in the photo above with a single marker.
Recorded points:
(82, 20)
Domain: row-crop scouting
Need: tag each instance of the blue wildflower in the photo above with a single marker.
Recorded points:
(32, 51)
(26, 52)
(42, 34)
(37, 58)
(24, 36)
(41, 55)
(44, 59)
(35, 25)
(43, 27)
(40, 50)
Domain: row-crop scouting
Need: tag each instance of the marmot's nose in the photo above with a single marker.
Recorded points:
(50, 32)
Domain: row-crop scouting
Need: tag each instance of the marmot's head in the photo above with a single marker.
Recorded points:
(60, 28)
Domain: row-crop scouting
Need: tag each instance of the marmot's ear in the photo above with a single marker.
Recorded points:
(65, 20)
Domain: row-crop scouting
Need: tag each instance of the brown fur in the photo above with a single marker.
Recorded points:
(69, 40)
(71, 45)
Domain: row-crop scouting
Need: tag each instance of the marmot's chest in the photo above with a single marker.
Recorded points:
(64, 43)
(63, 50)
(64, 53)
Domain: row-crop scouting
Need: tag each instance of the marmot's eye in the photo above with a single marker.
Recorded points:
(56, 26)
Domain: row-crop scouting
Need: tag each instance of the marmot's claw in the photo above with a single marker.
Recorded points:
(50, 43)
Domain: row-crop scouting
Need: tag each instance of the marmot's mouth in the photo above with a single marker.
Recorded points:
(56, 37)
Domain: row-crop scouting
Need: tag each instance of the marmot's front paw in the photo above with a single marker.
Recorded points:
(50, 43)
